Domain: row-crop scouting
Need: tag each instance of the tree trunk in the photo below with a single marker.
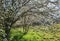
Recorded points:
(7, 31)
(4, 38)
(7, 34)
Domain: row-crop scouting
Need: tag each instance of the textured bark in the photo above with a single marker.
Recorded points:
(6, 36)
(7, 31)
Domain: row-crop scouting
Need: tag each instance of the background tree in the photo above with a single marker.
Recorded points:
(12, 10)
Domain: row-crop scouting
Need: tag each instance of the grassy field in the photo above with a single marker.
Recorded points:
(36, 33)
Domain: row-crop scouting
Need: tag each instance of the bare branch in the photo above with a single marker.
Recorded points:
(21, 15)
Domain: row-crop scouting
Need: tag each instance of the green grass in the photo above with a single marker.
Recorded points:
(37, 33)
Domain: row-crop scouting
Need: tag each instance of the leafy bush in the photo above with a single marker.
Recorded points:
(30, 36)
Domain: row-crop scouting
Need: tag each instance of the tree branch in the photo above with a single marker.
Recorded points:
(21, 15)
